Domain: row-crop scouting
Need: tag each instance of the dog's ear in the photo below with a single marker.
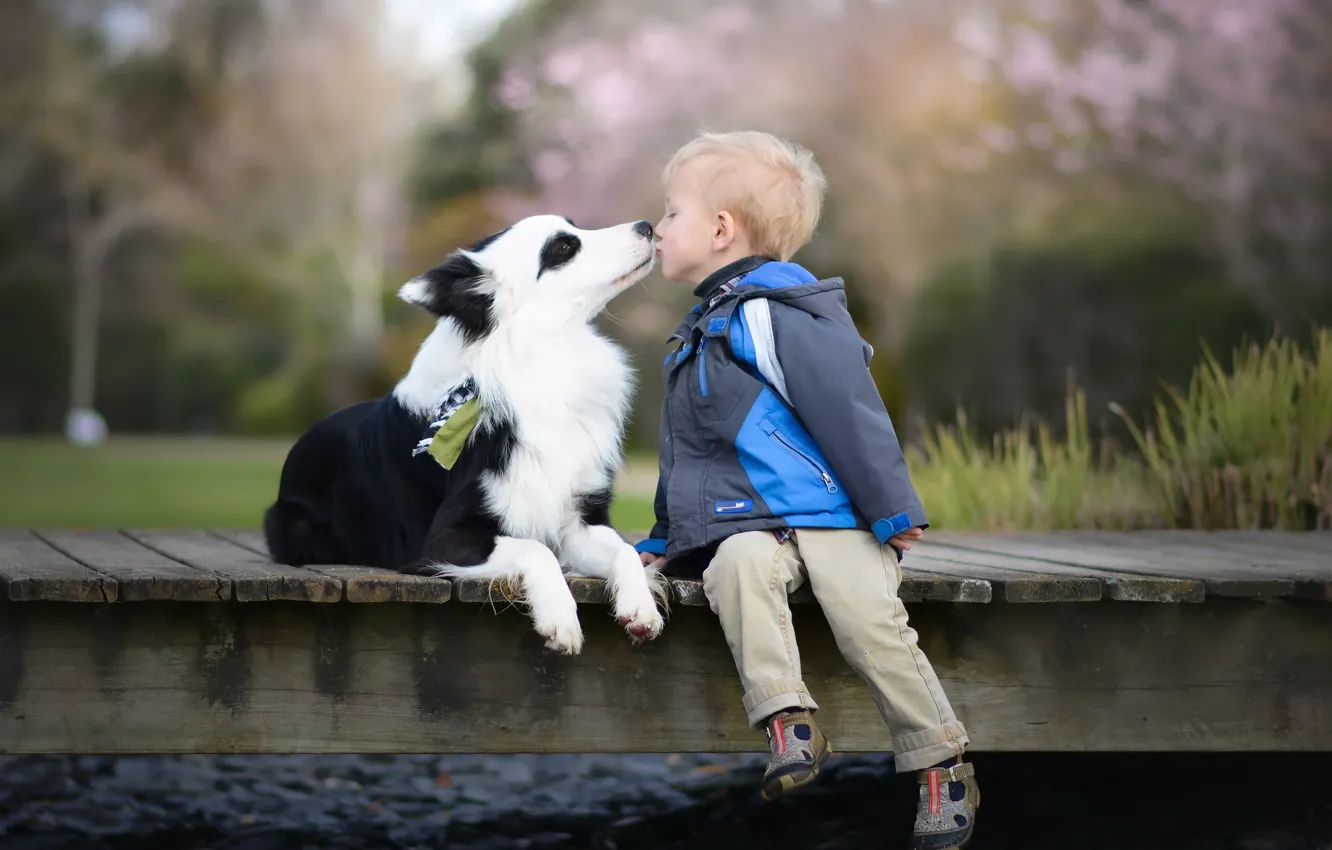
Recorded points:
(452, 289)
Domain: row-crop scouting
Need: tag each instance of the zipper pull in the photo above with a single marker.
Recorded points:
(828, 482)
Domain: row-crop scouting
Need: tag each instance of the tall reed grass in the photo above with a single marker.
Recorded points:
(1246, 448)
(1250, 447)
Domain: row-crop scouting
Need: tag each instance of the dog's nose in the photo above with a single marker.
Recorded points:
(643, 228)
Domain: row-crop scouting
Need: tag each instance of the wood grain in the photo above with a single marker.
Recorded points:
(407, 678)
(253, 577)
(32, 570)
(1126, 578)
(359, 584)
(140, 572)
(1147, 566)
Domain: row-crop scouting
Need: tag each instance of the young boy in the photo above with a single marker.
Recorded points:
(779, 464)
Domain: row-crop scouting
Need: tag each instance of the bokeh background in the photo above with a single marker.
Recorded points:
(1088, 240)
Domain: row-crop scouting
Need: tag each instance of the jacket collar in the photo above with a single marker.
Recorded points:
(713, 283)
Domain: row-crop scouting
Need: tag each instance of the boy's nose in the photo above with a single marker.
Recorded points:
(643, 228)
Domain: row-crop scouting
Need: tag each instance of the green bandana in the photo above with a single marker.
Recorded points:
(448, 441)
(452, 422)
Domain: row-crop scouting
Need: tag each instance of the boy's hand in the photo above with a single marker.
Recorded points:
(902, 541)
(657, 562)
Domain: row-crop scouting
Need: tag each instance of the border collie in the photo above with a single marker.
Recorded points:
(494, 456)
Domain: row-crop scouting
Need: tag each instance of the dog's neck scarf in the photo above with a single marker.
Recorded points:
(451, 423)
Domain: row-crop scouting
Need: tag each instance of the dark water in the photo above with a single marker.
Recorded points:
(1248, 802)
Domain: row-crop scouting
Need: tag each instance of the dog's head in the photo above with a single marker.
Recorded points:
(542, 265)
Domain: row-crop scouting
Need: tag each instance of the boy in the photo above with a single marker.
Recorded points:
(779, 464)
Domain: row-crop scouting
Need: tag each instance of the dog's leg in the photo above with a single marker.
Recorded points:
(535, 569)
(598, 551)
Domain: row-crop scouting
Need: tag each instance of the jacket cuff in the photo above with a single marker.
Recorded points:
(886, 527)
(652, 546)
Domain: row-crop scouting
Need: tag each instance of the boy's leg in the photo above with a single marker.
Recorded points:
(856, 581)
(747, 584)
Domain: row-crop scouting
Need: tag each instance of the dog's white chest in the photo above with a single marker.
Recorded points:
(567, 408)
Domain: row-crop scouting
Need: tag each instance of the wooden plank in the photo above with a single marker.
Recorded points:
(1012, 585)
(919, 586)
(1310, 573)
(253, 577)
(916, 587)
(586, 591)
(140, 572)
(360, 584)
(400, 678)
(1223, 573)
(1126, 578)
(1266, 553)
(1317, 542)
(32, 570)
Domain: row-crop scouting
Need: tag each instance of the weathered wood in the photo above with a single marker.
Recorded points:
(1318, 543)
(1155, 566)
(359, 584)
(1126, 579)
(1277, 556)
(293, 677)
(1223, 573)
(140, 572)
(253, 577)
(31, 570)
(920, 586)
(916, 587)
(1012, 585)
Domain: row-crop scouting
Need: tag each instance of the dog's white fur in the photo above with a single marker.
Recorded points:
(566, 389)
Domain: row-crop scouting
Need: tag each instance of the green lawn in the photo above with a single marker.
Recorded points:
(163, 483)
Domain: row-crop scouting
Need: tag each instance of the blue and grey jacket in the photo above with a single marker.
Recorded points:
(770, 418)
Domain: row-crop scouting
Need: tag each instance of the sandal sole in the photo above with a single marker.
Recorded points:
(796, 785)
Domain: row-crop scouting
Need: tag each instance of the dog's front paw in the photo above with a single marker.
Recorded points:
(637, 612)
(562, 632)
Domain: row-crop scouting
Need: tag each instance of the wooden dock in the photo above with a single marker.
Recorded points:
(194, 641)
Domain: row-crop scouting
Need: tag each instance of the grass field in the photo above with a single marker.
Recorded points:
(164, 483)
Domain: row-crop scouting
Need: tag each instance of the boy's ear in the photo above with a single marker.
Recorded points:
(723, 233)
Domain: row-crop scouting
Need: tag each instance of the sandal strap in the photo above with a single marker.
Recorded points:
(956, 773)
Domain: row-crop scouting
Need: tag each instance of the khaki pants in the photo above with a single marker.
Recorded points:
(855, 581)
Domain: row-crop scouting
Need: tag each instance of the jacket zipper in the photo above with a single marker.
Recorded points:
(702, 368)
(818, 470)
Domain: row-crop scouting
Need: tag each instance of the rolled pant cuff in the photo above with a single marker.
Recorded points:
(773, 696)
(919, 750)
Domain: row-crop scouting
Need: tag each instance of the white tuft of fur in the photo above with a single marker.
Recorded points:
(534, 572)
(414, 291)
(437, 366)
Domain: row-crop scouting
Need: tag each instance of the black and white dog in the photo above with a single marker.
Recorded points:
(494, 456)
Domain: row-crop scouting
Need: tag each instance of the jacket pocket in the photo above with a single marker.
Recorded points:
(820, 471)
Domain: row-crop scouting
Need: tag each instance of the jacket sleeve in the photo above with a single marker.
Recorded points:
(655, 542)
(824, 365)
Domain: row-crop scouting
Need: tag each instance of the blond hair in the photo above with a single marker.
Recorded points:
(772, 187)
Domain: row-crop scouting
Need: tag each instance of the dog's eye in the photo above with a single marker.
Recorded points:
(561, 249)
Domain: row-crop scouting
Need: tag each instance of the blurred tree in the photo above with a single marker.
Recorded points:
(277, 132)
(1226, 102)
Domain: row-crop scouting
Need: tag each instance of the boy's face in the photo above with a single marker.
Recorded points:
(687, 233)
